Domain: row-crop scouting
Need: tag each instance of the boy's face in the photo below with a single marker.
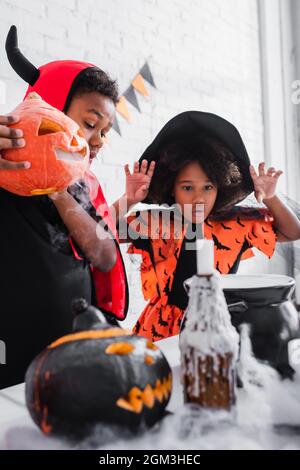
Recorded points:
(195, 193)
(94, 113)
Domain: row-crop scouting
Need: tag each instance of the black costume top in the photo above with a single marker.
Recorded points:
(40, 277)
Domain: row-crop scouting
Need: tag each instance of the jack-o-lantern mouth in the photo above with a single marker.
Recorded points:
(137, 398)
(70, 156)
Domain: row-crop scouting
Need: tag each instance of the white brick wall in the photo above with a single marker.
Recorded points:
(204, 54)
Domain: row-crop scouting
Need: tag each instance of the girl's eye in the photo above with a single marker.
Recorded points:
(208, 187)
(187, 188)
(88, 126)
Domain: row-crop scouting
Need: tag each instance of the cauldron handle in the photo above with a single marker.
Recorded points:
(238, 307)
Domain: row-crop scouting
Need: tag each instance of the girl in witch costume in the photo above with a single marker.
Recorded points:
(50, 251)
(202, 165)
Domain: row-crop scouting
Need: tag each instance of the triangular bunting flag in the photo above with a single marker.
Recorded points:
(147, 75)
(139, 85)
(122, 108)
(131, 97)
(115, 126)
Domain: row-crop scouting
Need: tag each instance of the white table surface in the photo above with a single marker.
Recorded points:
(261, 404)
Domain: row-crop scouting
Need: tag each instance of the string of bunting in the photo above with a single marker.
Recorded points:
(136, 85)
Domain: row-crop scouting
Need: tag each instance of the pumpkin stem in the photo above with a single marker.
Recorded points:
(79, 306)
(87, 317)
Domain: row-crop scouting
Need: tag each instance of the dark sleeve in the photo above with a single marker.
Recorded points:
(81, 194)
(139, 235)
(142, 244)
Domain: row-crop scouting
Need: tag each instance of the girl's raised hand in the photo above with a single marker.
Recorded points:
(264, 182)
(138, 182)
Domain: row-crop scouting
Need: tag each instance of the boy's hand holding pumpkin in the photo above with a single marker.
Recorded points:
(11, 138)
(264, 182)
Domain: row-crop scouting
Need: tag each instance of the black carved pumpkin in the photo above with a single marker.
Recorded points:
(97, 374)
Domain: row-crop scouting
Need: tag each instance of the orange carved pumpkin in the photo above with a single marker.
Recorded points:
(55, 147)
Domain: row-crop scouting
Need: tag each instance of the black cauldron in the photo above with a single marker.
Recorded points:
(264, 302)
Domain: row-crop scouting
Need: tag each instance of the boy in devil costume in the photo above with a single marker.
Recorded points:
(50, 252)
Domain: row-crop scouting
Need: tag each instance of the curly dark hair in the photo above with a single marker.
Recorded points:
(93, 79)
(219, 164)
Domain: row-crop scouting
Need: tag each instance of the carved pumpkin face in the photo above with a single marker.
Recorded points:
(55, 147)
(100, 375)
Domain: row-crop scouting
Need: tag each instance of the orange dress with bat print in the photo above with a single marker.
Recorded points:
(160, 319)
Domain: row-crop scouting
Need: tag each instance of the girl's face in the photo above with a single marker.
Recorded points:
(94, 113)
(195, 193)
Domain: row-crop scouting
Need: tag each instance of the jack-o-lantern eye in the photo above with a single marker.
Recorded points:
(80, 133)
(74, 142)
(120, 348)
(50, 127)
(148, 360)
